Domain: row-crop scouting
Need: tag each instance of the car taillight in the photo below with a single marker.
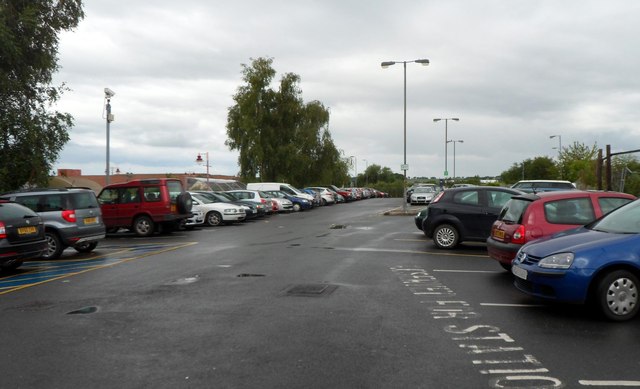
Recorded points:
(69, 215)
(437, 198)
(518, 236)
(3, 231)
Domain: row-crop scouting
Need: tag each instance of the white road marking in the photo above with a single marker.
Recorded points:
(609, 383)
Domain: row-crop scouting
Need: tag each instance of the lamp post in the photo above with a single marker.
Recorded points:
(355, 171)
(366, 178)
(559, 150)
(199, 160)
(386, 64)
(454, 155)
(108, 94)
(446, 141)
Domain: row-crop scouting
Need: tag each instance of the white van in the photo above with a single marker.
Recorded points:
(281, 186)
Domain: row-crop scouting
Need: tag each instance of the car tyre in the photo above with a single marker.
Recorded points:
(296, 207)
(213, 219)
(617, 295)
(54, 246)
(11, 265)
(85, 247)
(143, 226)
(446, 236)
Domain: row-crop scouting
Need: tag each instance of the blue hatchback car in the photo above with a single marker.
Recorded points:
(598, 263)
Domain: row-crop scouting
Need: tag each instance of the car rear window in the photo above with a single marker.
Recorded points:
(83, 200)
(608, 204)
(175, 188)
(513, 211)
(44, 203)
(569, 211)
(14, 211)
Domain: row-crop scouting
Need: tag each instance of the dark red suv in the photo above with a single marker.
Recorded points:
(533, 216)
(145, 206)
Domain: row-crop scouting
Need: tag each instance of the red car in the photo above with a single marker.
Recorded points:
(532, 216)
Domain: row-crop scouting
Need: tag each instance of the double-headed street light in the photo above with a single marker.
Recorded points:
(454, 155)
(355, 171)
(405, 167)
(559, 150)
(446, 141)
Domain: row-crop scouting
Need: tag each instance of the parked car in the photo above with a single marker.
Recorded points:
(215, 212)
(598, 263)
(299, 204)
(145, 206)
(326, 196)
(536, 186)
(196, 219)
(281, 204)
(533, 216)
(317, 199)
(72, 217)
(421, 185)
(464, 214)
(347, 194)
(253, 196)
(422, 195)
(22, 235)
(281, 186)
(250, 209)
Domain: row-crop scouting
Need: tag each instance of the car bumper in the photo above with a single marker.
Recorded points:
(552, 284)
(233, 217)
(502, 252)
(22, 251)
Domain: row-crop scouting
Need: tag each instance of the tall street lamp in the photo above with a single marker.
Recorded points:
(559, 150)
(386, 64)
(355, 171)
(200, 161)
(454, 155)
(366, 178)
(108, 94)
(446, 141)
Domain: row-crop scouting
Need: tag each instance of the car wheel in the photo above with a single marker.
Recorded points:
(11, 265)
(213, 219)
(617, 295)
(296, 207)
(54, 246)
(143, 226)
(506, 267)
(446, 236)
(184, 202)
(85, 247)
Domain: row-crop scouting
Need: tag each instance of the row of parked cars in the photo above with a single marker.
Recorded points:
(561, 244)
(42, 223)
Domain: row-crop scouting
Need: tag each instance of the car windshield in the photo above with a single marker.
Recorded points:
(513, 211)
(202, 198)
(215, 197)
(226, 196)
(624, 220)
(424, 189)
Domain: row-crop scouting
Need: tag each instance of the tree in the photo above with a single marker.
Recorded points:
(32, 133)
(279, 137)
(539, 168)
(578, 164)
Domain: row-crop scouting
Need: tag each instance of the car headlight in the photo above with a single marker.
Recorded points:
(230, 210)
(557, 261)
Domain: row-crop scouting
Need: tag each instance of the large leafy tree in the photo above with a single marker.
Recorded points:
(578, 164)
(279, 136)
(539, 168)
(32, 133)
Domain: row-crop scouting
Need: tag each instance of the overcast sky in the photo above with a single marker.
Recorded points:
(514, 72)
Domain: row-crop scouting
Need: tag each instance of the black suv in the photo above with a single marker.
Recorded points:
(71, 216)
(463, 214)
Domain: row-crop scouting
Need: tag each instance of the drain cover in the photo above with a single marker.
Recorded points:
(250, 275)
(310, 290)
(83, 311)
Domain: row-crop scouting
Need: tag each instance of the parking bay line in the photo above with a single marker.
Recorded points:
(609, 383)
(366, 249)
(38, 275)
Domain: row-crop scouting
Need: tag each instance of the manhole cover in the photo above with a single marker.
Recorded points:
(310, 290)
(337, 227)
(250, 275)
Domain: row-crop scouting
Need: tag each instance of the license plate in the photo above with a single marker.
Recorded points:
(27, 230)
(498, 234)
(90, 220)
(519, 272)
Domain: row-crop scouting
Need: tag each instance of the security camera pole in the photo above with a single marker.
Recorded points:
(108, 94)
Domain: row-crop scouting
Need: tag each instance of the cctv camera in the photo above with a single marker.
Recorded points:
(109, 93)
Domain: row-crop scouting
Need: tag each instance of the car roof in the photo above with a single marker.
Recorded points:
(567, 194)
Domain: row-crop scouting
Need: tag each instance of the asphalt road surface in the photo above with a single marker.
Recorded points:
(336, 297)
